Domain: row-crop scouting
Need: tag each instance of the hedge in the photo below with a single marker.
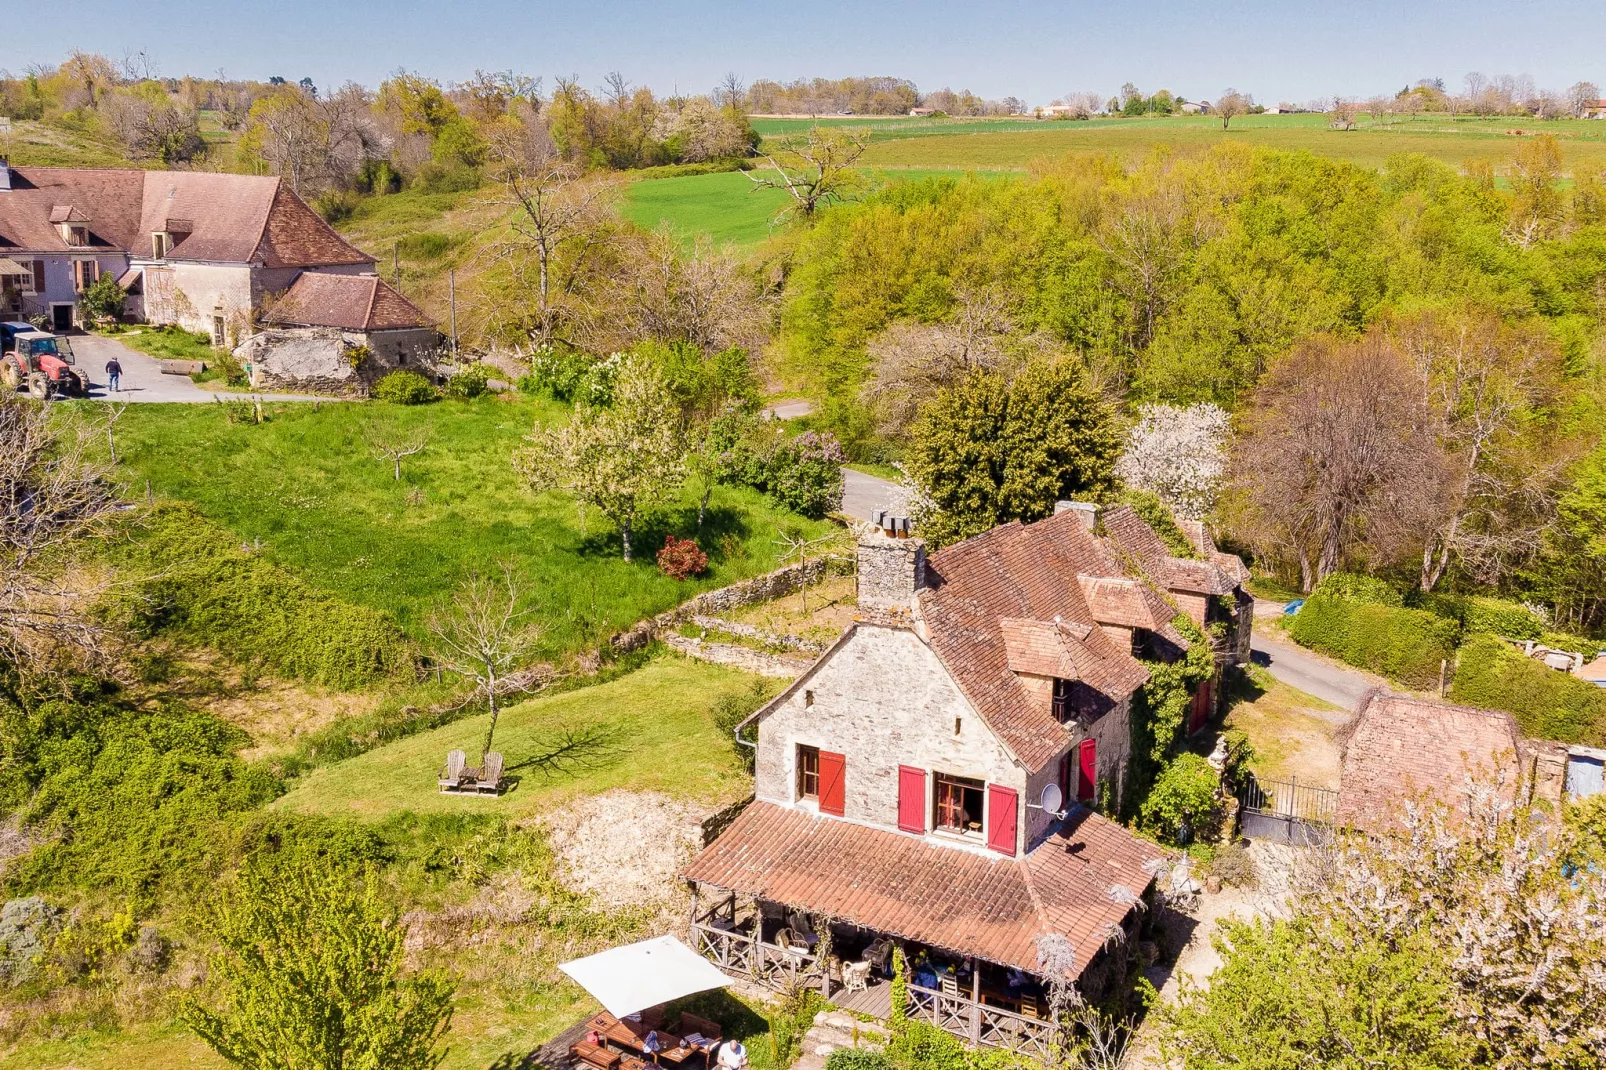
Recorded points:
(1405, 645)
(1359, 588)
(1548, 703)
(193, 581)
(1478, 613)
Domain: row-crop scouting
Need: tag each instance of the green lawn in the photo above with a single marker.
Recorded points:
(306, 487)
(652, 733)
(168, 343)
(728, 207)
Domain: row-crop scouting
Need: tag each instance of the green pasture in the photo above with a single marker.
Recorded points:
(648, 731)
(307, 489)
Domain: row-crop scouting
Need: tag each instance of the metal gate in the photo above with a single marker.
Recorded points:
(1286, 810)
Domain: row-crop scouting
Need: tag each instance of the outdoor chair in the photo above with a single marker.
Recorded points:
(490, 777)
(950, 987)
(690, 1024)
(802, 932)
(451, 776)
(1029, 1008)
(855, 976)
(879, 955)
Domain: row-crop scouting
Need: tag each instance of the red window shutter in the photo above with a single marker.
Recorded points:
(1001, 814)
(832, 794)
(1088, 770)
(911, 799)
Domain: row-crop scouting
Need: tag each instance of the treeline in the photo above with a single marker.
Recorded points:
(411, 132)
(1412, 357)
(868, 96)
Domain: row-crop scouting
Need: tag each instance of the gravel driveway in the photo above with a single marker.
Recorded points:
(142, 378)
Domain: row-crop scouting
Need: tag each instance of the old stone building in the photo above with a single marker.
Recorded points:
(927, 779)
(198, 249)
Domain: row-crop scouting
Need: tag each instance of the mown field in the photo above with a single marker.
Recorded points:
(307, 488)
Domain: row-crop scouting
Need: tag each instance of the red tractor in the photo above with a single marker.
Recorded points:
(39, 362)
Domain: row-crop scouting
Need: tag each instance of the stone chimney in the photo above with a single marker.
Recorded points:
(1087, 512)
(892, 564)
(5, 174)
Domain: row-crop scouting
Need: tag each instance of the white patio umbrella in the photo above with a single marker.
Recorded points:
(637, 976)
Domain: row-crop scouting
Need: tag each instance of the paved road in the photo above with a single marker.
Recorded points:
(1309, 672)
(142, 378)
(863, 494)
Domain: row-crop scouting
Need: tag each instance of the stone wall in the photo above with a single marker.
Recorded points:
(778, 666)
(765, 588)
(882, 700)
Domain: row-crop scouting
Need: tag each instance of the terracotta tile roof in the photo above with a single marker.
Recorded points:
(1399, 748)
(1079, 882)
(1127, 602)
(352, 302)
(296, 236)
(1065, 650)
(1131, 536)
(1025, 573)
(213, 216)
(109, 198)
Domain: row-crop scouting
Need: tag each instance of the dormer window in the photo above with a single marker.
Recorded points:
(161, 242)
(78, 236)
(1062, 701)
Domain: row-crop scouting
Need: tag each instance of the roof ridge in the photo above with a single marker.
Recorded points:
(373, 300)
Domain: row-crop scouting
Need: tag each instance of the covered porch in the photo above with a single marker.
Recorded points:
(985, 1003)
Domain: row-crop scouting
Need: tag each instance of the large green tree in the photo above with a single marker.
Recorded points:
(990, 450)
(309, 963)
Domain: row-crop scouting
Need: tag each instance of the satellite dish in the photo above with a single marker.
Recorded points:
(1051, 798)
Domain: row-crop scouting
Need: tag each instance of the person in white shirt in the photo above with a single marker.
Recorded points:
(732, 1056)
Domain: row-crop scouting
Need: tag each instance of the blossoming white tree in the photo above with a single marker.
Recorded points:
(1179, 454)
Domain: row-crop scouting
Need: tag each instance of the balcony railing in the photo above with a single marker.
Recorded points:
(985, 1026)
(739, 953)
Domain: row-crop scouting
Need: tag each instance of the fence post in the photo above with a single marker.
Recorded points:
(975, 1003)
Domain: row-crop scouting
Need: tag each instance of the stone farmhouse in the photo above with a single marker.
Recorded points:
(198, 249)
(900, 782)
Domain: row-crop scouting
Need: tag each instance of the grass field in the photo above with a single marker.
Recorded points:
(1452, 141)
(653, 733)
(307, 485)
(728, 207)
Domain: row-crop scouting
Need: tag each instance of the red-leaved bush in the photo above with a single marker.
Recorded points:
(681, 560)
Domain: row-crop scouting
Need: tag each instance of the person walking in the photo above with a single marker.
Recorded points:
(114, 372)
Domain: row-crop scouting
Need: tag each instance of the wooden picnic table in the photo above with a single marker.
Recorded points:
(614, 1031)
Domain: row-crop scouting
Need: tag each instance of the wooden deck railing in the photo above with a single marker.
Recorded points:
(981, 1024)
(767, 963)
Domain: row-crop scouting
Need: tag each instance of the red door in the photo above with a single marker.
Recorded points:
(1001, 818)
(832, 793)
(1201, 707)
(1087, 770)
(911, 799)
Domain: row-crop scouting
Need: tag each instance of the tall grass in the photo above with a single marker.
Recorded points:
(305, 491)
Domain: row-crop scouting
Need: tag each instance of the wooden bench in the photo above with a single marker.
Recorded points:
(595, 1055)
(691, 1023)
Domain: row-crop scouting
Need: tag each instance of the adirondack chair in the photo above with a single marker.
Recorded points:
(450, 777)
(490, 778)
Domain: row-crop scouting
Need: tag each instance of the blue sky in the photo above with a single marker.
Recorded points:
(1293, 50)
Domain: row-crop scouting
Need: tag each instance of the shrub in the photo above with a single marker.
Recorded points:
(1233, 866)
(204, 589)
(803, 474)
(731, 710)
(102, 298)
(471, 381)
(1183, 805)
(404, 388)
(1547, 703)
(1405, 645)
(680, 559)
(1477, 613)
(1154, 512)
(858, 1059)
(568, 375)
(1360, 589)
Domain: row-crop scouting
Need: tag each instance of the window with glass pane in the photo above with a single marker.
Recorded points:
(959, 803)
(808, 772)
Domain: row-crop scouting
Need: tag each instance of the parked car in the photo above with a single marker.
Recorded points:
(39, 362)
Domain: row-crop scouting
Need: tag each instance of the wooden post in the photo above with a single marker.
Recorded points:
(694, 913)
(395, 264)
(975, 1002)
(451, 289)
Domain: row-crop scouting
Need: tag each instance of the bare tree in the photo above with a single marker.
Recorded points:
(395, 444)
(53, 491)
(485, 633)
(1150, 234)
(730, 92)
(1581, 96)
(818, 172)
(556, 224)
(1342, 112)
(660, 293)
(114, 412)
(1233, 104)
(1486, 385)
(1337, 457)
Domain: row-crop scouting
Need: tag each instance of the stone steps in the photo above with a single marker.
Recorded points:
(836, 1029)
